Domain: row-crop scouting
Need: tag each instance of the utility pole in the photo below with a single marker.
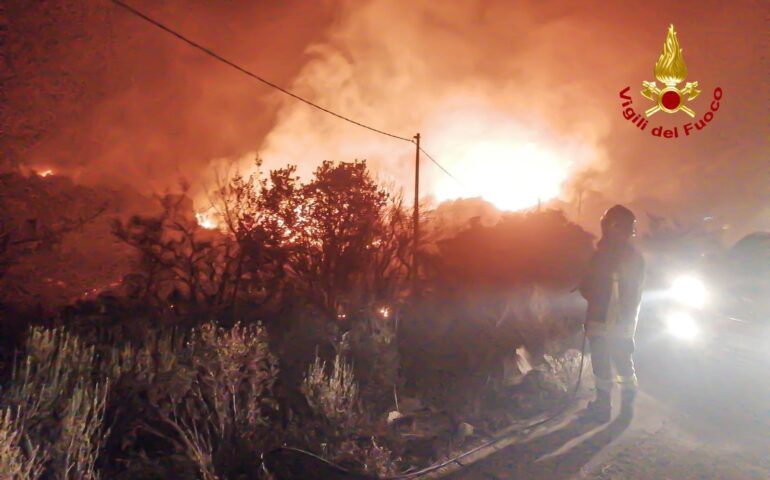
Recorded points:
(580, 205)
(416, 218)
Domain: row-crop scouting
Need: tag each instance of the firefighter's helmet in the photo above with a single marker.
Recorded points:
(619, 217)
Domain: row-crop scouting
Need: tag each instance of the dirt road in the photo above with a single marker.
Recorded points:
(701, 414)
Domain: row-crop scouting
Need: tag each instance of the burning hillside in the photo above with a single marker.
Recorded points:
(298, 239)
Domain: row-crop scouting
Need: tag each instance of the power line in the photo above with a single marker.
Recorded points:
(253, 75)
(442, 168)
(234, 65)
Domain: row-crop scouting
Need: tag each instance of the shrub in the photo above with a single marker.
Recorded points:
(19, 460)
(375, 353)
(56, 404)
(333, 397)
(180, 265)
(337, 243)
(212, 396)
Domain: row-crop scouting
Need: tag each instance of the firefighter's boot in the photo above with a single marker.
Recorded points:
(627, 398)
(600, 409)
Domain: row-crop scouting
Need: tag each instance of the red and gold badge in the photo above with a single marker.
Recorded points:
(670, 70)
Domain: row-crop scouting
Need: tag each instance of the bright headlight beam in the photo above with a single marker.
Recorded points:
(682, 325)
(689, 291)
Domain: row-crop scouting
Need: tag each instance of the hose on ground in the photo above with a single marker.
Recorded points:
(456, 459)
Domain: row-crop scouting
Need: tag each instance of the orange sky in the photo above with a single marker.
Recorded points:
(116, 100)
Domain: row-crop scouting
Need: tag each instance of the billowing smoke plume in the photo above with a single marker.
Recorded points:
(519, 101)
(489, 87)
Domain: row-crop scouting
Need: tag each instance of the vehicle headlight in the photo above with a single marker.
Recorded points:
(682, 325)
(689, 291)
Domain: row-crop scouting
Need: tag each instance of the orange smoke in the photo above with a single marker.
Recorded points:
(424, 73)
(104, 98)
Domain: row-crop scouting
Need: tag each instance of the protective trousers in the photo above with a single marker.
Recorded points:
(608, 352)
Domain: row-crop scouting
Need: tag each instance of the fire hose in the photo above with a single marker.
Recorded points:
(456, 460)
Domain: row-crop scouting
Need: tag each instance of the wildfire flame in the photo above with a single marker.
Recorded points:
(498, 158)
(670, 68)
(46, 173)
(206, 220)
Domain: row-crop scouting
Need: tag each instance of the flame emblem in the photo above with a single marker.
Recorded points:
(670, 70)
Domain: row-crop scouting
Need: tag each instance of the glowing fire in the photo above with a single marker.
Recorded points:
(511, 164)
(46, 173)
(206, 220)
(512, 161)
(512, 176)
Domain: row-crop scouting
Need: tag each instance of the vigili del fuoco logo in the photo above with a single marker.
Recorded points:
(670, 70)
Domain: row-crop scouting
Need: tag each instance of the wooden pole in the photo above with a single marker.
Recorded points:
(416, 218)
(580, 206)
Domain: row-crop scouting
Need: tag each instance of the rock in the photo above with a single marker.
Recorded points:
(394, 416)
(465, 430)
(516, 366)
(397, 419)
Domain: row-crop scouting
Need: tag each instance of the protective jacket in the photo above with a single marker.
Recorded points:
(612, 285)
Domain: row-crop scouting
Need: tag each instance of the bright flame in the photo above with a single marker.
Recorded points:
(511, 161)
(46, 173)
(511, 176)
(206, 220)
(497, 157)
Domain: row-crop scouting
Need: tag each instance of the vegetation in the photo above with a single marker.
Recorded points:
(173, 373)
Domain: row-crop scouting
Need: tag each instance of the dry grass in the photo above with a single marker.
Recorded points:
(211, 394)
(55, 404)
(19, 460)
(82, 431)
(333, 396)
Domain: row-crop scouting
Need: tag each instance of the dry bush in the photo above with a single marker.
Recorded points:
(19, 460)
(546, 330)
(83, 433)
(146, 378)
(181, 265)
(58, 403)
(560, 356)
(375, 353)
(336, 243)
(333, 397)
(211, 394)
(375, 459)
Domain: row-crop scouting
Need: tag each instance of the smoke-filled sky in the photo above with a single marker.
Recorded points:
(518, 99)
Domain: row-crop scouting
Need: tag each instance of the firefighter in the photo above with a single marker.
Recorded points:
(612, 285)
